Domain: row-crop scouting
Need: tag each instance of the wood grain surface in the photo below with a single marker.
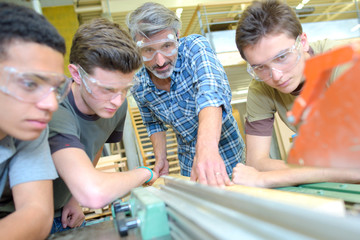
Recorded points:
(322, 204)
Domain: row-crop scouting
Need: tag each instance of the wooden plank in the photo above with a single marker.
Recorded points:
(113, 167)
(175, 162)
(143, 134)
(169, 145)
(170, 157)
(112, 163)
(151, 154)
(174, 169)
(317, 203)
(112, 158)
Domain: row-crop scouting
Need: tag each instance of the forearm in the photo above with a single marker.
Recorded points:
(158, 141)
(34, 211)
(107, 187)
(302, 175)
(276, 173)
(29, 223)
(208, 167)
(266, 164)
(209, 131)
(91, 187)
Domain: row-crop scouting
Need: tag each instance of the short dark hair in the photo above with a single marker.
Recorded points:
(24, 24)
(263, 18)
(104, 44)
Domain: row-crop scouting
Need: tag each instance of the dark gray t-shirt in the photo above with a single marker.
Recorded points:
(71, 128)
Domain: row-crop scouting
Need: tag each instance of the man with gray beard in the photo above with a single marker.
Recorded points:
(183, 84)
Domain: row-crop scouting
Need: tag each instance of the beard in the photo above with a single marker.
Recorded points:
(163, 74)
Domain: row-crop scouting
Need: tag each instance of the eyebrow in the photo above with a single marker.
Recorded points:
(114, 87)
(36, 75)
(274, 57)
(161, 44)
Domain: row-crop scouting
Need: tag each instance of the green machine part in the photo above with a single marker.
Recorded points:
(144, 210)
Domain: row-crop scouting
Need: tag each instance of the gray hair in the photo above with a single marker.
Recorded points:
(151, 18)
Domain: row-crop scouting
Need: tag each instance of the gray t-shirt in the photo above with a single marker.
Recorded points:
(25, 161)
(71, 128)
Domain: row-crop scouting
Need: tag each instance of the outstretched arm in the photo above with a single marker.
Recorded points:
(93, 188)
(208, 166)
(159, 145)
(261, 171)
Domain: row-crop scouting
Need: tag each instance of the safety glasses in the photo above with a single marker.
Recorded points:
(102, 91)
(283, 62)
(34, 86)
(167, 47)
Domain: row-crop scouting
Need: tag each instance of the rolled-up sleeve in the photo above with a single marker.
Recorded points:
(212, 85)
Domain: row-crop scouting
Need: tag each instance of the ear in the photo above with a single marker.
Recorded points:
(74, 73)
(304, 42)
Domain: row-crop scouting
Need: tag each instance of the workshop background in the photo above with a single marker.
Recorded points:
(336, 19)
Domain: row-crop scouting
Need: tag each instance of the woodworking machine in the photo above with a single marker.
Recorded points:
(183, 209)
(329, 117)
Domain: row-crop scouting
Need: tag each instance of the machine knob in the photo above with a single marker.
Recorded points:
(118, 207)
(125, 225)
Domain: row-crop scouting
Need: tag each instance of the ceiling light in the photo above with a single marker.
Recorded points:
(179, 12)
(300, 6)
(356, 27)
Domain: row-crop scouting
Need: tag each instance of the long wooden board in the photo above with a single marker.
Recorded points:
(322, 204)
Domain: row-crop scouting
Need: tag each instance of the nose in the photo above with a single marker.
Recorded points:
(118, 100)
(276, 75)
(49, 103)
(160, 59)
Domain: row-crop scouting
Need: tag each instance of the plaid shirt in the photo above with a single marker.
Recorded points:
(198, 81)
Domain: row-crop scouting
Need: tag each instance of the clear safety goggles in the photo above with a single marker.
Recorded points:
(102, 91)
(34, 86)
(167, 47)
(282, 62)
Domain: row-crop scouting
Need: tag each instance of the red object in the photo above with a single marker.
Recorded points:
(329, 132)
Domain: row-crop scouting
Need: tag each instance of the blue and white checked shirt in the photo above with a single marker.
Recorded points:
(198, 81)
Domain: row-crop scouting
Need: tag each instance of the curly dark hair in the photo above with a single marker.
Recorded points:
(24, 24)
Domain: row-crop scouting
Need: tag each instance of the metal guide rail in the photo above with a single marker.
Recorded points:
(349, 193)
(188, 210)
